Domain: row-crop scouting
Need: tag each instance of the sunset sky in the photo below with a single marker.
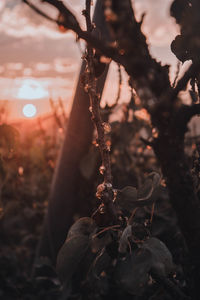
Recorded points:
(38, 62)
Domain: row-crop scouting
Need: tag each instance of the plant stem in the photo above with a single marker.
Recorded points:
(106, 193)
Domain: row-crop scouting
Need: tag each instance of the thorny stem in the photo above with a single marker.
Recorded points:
(107, 193)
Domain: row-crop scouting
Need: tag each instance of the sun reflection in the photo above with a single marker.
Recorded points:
(31, 89)
(29, 110)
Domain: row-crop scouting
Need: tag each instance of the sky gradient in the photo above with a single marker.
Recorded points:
(38, 62)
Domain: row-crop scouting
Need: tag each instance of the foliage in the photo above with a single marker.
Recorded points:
(27, 164)
(28, 169)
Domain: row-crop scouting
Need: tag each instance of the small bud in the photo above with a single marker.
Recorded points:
(108, 145)
(20, 171)
(108, 185)
(154, 132)
(100, 189)
(102, 170)
(105, 60)
(61, 19)
(110, 15)
(62, 29)
(115, 195)
(106, 127)
(121, 51)
(102, 210)
(86, 88)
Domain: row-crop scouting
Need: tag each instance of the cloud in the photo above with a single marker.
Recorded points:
(65, 65)
(42, 67)
(21, 21)
(2, 69)
(2, 4)
(54, 87)
(14, 66)
(18, 20)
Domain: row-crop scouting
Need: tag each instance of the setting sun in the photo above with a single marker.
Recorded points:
(31, 89)
(29, 110)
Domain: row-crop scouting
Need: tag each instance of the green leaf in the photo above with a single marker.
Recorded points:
(124, 239)
(126, 198)
(99, 242)
(132, 272)
(161, 261)
(70, 256)
(146, 190)
(84, 226)
(129, 198)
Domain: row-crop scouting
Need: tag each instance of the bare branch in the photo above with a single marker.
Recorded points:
(150, 79)
(69, 22)
(37, 10)
(68, 19)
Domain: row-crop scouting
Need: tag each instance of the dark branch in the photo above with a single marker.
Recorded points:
(37, 10)
(189, 111)
(150, 79)
(69, 22)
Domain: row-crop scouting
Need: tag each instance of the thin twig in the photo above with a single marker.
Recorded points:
(70, 22)
(38, 11)
(62, 109)
(55, 114)
(113, 227)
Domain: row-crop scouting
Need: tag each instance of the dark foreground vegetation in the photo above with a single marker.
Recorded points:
(28, 159)
(27, 166)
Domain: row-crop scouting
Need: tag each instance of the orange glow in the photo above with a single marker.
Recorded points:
(31, 89)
